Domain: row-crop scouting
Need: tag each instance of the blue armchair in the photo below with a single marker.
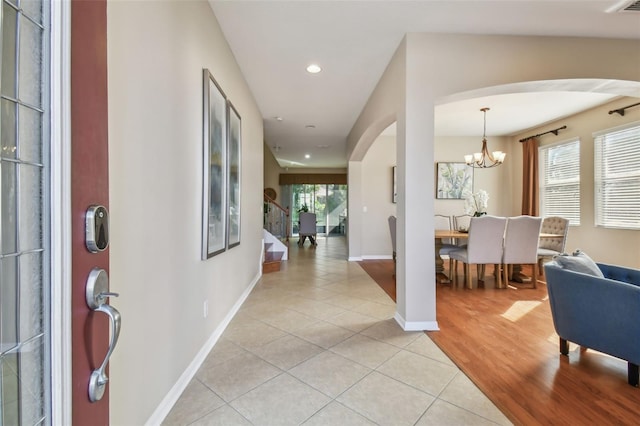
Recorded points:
(598, 313)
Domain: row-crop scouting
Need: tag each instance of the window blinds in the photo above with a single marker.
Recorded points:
(617, 177)
(560, 180)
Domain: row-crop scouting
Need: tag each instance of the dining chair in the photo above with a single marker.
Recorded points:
(392, 231)
(549, 247)
(461, 223)
(484, 246)
(521, 245)
(307, 228)
(448, 244)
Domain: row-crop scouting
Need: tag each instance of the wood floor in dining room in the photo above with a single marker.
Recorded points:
(505, 342)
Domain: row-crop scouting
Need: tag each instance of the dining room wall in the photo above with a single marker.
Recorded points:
(617, 246)
(377, 189)
(377, 186)
(496, 181)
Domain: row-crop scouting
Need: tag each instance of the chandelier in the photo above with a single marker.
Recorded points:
(485, 159)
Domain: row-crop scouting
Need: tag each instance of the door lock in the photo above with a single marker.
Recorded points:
(97, 229)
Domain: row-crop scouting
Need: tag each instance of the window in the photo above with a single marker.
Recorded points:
(617, 177)
(560, 180)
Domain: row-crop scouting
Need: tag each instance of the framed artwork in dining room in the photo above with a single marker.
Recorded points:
(453, 180)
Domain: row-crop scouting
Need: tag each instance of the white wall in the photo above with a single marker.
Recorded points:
(377, 189)
(617, 246)
(156, 53)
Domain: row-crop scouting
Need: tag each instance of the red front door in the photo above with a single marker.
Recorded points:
(89, 186)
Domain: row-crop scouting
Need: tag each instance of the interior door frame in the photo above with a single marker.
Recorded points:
(60, 207)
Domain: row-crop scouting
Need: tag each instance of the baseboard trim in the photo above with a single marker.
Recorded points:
(377, 257)
(416, 325)
(355, 259)
(175, 392)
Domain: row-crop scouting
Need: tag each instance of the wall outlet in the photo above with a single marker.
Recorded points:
(205, 310)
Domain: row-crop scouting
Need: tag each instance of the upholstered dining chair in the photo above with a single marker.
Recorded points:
(307, 228)
(521, 245)
(549, 247)
(484, 246)
(448, 244)
(392, 231)
(461, 223)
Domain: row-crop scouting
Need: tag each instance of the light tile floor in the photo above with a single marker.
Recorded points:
(316, 344)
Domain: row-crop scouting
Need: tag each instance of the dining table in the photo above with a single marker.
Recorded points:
(455, 235)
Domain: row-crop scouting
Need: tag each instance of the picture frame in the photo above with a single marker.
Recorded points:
(394, 186)
(214, 195)
(454, 180)
(234, 175)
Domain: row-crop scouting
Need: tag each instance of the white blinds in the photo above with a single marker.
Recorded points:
(560, 180)
(617, 177)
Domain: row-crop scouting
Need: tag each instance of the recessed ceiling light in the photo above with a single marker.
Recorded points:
(307, 156)
(314, 69)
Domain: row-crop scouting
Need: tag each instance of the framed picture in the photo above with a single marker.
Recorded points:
(454, 180)
(214, 195)
(234, 169)
(394, 187)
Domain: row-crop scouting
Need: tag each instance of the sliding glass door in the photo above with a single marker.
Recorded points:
(327, 201)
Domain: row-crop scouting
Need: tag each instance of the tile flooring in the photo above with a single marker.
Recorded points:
(316, 344)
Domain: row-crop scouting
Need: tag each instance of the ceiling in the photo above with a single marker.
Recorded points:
(353, 41)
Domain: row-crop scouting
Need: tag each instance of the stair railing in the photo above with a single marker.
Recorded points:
(276, 218)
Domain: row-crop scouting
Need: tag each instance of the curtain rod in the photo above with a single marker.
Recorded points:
(554, 131)
(621, 110)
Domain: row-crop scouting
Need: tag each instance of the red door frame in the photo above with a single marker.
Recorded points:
(89, 185)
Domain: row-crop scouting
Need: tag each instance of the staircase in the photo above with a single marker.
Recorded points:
(272, 259)
(275, 251)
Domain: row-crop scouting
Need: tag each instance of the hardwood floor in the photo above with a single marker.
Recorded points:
(505, 342)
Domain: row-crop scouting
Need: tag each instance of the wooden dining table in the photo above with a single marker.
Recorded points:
(444, 234)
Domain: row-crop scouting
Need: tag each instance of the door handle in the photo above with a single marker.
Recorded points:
(97, 294)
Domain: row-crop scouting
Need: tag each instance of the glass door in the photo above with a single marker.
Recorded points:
(336, 209)
(24, 245)
(328, 202)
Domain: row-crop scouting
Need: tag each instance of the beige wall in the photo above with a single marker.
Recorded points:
(496, 181)
(156, 53)
(377, 188)
(272, 172)
(617, 246)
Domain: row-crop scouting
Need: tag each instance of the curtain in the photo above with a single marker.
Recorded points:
(530, 177)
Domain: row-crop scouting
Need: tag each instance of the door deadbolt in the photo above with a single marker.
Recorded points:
(97, 229)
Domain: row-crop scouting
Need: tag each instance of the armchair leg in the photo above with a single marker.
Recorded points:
(632, 374)
(564, 347)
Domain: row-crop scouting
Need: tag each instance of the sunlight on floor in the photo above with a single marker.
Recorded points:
(520, 309)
